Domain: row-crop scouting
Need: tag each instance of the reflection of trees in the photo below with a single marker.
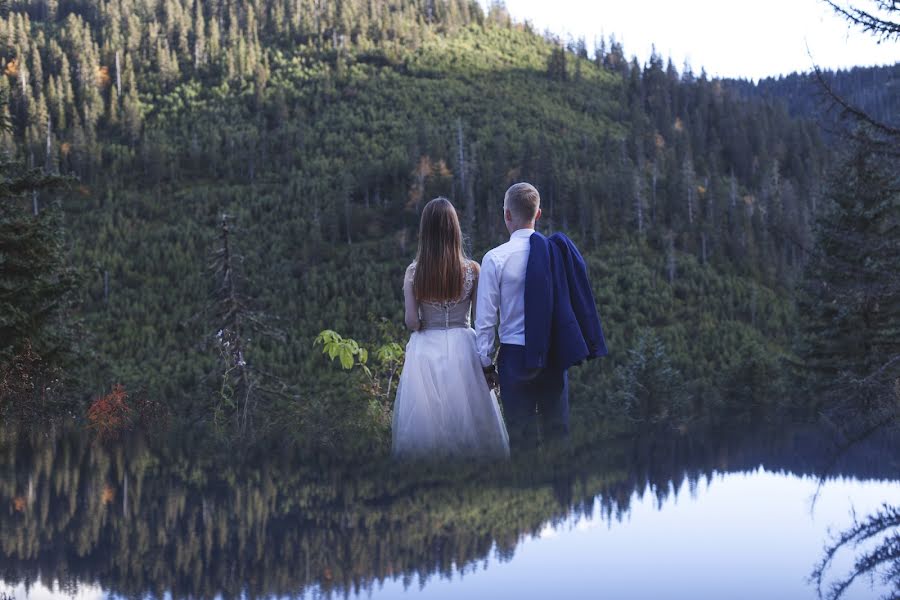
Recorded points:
(144, 520)
(882, 531)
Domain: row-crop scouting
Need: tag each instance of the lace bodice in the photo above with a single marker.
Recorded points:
(446, 315)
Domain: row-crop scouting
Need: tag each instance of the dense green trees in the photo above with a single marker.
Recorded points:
(36, 329)
(33, 268)
(871, 89)
(322, 127)
(852, 300)
(851, 293)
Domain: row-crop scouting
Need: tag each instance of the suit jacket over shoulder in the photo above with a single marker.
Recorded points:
(562, 325)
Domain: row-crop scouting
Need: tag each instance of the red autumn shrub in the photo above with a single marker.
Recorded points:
(110, 415)
(118, 412)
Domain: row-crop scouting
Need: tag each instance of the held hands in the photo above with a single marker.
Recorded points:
(490, 375)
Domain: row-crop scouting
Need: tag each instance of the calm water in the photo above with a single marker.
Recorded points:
(650, 516)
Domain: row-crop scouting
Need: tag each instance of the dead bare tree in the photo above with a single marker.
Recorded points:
(241, 386)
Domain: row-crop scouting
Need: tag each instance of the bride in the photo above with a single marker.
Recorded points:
(444, 405)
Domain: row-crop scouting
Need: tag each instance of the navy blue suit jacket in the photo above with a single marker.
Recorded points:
(562, 326)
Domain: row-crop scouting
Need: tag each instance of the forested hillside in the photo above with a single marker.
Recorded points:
(874, 90)
(321, 128)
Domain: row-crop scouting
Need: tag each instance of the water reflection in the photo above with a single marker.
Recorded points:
(135, 519)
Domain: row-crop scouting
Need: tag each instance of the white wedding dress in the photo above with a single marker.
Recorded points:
(444, 406)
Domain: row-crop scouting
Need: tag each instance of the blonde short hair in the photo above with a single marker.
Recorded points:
(523, 201)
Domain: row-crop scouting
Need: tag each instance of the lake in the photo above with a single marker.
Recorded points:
(730, 514)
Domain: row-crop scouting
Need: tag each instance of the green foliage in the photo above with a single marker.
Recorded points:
(724, 338)
(34, 276)
(648, 389)
(322, 128)
(850, 300)
(37, 328)
(380, 377)
(348, 351)
(388, 357)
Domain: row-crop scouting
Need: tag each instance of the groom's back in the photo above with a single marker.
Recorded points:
(508, 262)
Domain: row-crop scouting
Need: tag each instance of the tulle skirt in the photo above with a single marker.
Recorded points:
(444, 406)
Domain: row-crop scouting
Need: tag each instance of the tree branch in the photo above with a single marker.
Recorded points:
(849, 109)
(880, 27)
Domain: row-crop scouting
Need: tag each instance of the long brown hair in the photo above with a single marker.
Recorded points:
(440, 258)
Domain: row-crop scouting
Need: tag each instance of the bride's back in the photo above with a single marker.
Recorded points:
(449, 314)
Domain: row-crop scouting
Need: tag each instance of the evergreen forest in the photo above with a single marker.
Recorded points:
(193, 190)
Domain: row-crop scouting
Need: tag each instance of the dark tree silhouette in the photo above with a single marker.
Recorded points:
(882, 20)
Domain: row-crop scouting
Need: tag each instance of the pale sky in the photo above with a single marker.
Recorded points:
(730, 38)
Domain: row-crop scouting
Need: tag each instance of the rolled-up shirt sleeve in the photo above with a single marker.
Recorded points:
(486, 310)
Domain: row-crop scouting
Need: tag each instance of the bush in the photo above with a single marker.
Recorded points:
(648, 388)
(115, 413)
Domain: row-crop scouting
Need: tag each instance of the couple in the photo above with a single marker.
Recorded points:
(536, 289)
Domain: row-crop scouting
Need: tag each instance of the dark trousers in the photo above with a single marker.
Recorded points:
(535, 401)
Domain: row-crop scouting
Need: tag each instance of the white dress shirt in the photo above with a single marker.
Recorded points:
(501, 287)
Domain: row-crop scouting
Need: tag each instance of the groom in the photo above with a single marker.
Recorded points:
(548, 320)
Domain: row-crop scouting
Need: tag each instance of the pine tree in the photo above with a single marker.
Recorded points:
(556, 64)
(37, 71)
(131, 114)
(32, 267)
(851, 297)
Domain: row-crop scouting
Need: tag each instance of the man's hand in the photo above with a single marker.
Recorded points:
(493, 380)
(490, 375)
